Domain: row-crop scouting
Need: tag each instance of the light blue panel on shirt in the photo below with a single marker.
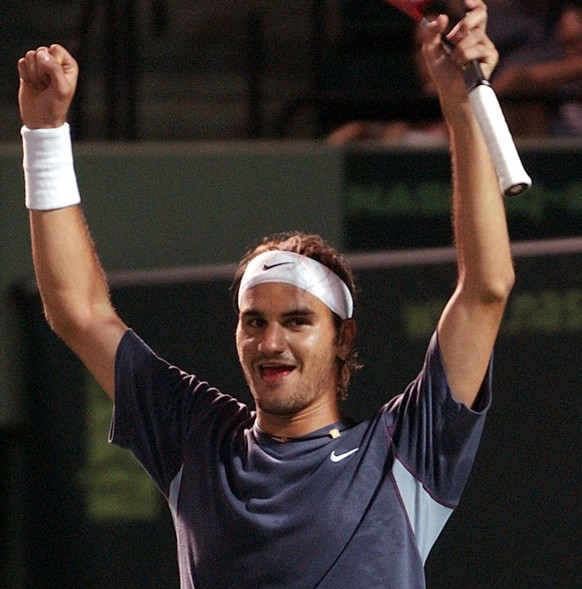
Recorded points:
(174, 492)
(426, 515)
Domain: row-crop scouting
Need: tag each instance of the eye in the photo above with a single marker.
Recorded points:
(253, 322)
(296, 322)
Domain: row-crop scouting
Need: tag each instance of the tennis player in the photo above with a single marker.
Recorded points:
(288, 493)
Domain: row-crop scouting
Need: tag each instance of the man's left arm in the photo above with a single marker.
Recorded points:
(470, 322)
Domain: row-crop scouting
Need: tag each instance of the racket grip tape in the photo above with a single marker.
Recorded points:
(513, 179)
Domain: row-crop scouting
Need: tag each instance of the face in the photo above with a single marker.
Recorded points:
(287, 346)
(570, 30)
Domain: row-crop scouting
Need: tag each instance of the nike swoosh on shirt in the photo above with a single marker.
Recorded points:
(339, 457)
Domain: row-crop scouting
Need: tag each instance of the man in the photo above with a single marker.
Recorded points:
(549, 80)
(289, 495)
(422, 125)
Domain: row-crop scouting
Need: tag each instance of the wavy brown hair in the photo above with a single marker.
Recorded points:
(312, 246)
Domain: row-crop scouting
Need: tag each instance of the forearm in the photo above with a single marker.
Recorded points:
(538, 78)
(70, 278)
(479, 221)
(547, 75)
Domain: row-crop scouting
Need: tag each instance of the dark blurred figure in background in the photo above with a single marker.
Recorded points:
(539, 79)
(423, 125)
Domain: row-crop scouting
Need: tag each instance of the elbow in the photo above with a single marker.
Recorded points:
(497, 291)
(507, 283)
(66, 325)
(61, 325)
(492, 291)
(72, 320)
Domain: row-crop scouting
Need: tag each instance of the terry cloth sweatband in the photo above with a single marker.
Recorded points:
(49, 173)
(300, 271)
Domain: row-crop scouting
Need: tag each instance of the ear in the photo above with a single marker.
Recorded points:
(346, 338)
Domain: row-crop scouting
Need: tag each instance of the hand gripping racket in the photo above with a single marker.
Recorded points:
(513, 179)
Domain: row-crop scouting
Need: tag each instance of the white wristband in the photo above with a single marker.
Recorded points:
(49, 173)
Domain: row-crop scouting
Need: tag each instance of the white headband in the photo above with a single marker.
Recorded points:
(300, 271)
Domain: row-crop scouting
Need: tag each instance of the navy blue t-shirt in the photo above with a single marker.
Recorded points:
(359, 511)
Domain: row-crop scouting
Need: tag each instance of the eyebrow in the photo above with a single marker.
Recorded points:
(300, 312)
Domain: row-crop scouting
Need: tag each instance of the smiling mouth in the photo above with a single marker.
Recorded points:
(273, 372)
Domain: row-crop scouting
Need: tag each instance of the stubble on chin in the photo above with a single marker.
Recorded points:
(280, 405)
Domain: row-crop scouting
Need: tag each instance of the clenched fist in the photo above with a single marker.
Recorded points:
(48, 78)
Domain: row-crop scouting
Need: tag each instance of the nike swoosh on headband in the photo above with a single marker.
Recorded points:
(270, 266)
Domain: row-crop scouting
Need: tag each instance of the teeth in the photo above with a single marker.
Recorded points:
(275, 367)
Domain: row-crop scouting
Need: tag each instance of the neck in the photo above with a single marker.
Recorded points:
(284, 427)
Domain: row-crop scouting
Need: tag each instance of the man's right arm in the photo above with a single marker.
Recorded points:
(72, 284)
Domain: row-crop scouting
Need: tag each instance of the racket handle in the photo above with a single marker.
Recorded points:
(513, 179)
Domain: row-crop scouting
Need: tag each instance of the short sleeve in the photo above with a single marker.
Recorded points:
(159, 409)
(436, 437)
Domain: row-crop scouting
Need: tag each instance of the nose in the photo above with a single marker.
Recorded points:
(272, 339)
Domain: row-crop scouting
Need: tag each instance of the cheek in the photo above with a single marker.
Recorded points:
(319, 345)
(242, 344)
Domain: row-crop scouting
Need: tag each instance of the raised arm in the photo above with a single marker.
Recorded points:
(73, 288)
(543, 77)
(470, 322)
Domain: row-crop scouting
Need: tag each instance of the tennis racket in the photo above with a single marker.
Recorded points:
(513, 179)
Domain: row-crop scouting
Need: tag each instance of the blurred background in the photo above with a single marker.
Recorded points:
(169, 70)
(201, 126)
(164, 69)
